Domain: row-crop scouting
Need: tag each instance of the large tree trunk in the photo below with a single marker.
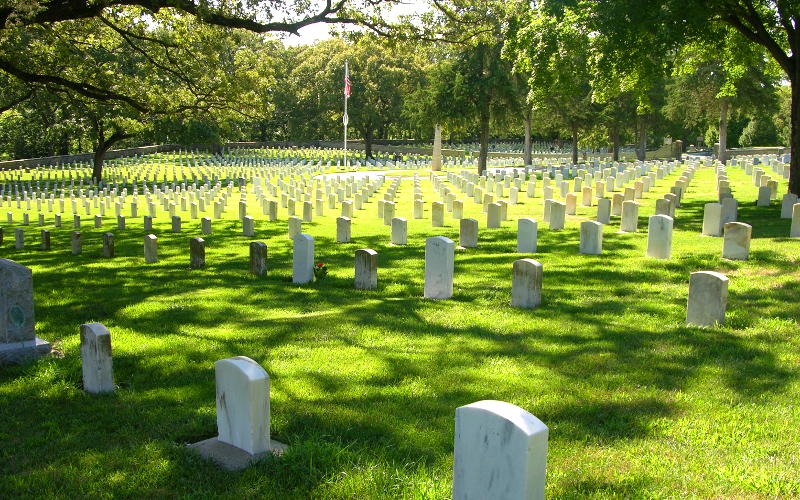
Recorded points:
(527, 152)
(723, 130)
(368, 142)
(613, 135)
(794, 165)
(574, 144)
(100, 153)
(484, 139)
(641, 148)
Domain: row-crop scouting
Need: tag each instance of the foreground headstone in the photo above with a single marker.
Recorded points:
(708, 298)
(150, 249)
(592, 237)
(258, 258)
(243, 415)
(526, 284)
(366, 269)
(500, 453)
(439, 267)
(527, 235)
(468, 233)
(18, 340)
(659, 236)
(736, 245)
(197, 253)
(98, 372)
(303, 259)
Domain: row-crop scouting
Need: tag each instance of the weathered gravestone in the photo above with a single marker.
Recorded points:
(366, 269)
(659, 236)
(708, 298)
(258, 258)
(526, 284)
(500, 453)
(18, 340)
(468, 233)
(98, 373)
(197, 253)
(150, 249)
(303, 259)
(736, 244)
(527, 235)
(243, 416)
(439, 267)
(591, 242)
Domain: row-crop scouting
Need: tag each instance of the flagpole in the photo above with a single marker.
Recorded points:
(345, 117)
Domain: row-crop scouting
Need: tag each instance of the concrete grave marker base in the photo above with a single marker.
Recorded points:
(230, 457)
(20, 352)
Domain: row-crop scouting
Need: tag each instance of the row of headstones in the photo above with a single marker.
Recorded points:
(718, 215)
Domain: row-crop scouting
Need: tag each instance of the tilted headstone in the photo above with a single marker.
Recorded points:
(366, 269)
(439, 267)
(526, 284)
(98, 372)
(708, 298)
(18, 340)
(500, 453)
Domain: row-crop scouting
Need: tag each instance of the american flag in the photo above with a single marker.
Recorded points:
(347, 86)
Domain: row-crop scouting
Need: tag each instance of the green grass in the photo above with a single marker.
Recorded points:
(365, 384)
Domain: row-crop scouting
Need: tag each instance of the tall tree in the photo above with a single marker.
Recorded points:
(634, 30)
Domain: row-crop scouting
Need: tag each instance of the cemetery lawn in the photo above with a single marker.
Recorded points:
(364, 385)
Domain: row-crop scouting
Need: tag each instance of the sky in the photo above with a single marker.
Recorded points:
(320, 31)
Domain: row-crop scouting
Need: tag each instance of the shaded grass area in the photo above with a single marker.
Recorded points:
(365, 384)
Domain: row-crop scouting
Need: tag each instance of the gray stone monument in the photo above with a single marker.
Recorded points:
(18, 340)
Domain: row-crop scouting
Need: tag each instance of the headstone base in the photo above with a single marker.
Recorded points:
(19, 352)
(230, 457)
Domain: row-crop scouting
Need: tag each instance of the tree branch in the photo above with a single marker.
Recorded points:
(82, 88)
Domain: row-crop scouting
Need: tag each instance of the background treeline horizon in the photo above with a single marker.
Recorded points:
(401, 89)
